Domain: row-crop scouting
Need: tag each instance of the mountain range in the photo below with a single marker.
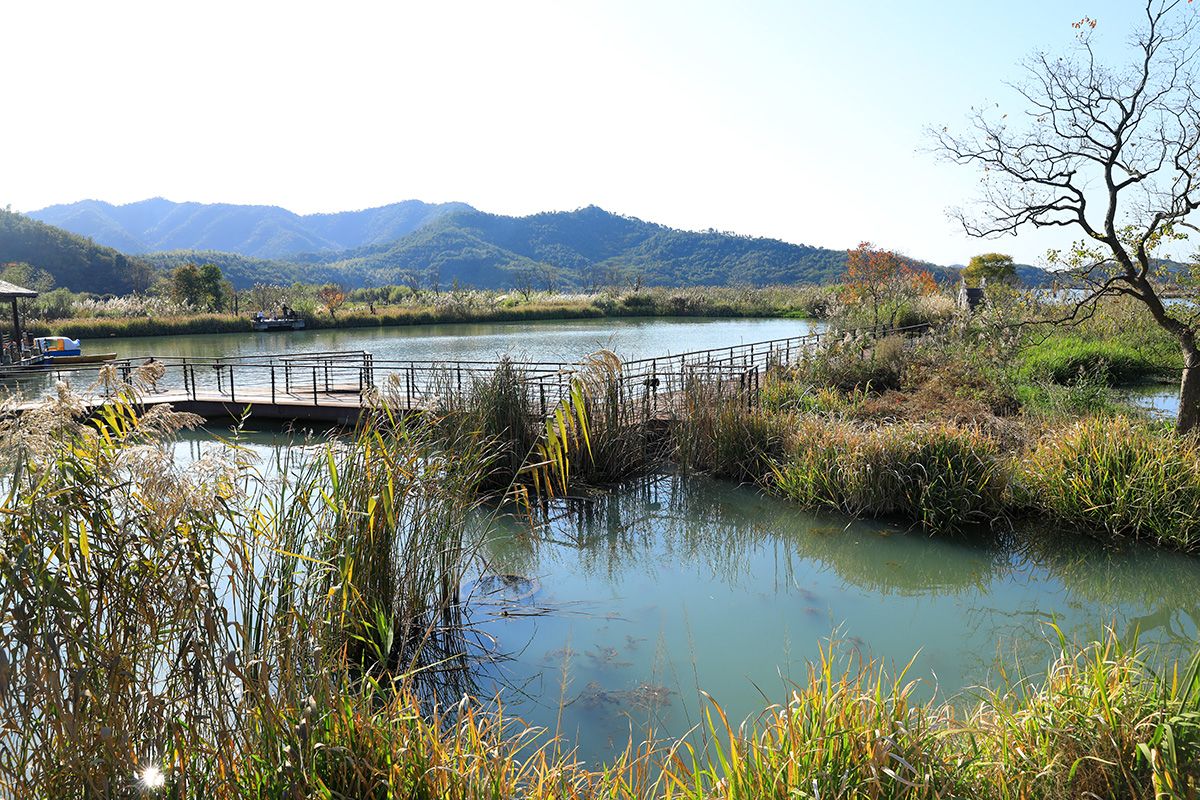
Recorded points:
(257, 231)
(419, 244)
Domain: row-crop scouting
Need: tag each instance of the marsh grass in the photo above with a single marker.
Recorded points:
(722, 431)
(1064, 358)
(1117, 477)
(161, 616)
(941, 477)
(146, 316)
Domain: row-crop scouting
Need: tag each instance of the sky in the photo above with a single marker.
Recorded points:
(801, 120)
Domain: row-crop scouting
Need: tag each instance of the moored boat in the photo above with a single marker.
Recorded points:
(277, 324)
(64, 350)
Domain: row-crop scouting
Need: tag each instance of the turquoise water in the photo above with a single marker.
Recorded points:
(616, 614)
(681, 584)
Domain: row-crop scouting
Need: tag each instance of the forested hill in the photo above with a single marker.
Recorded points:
(73, 261)
(582, 249)
(588, 247)
(255, 231)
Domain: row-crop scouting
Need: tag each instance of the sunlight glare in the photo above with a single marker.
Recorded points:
(152, 778)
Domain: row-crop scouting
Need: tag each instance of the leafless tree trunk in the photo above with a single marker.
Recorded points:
(1112, 153)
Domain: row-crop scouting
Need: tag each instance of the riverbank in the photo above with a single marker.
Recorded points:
(471, 306)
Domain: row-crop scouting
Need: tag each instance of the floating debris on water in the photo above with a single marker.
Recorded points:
(500, 588)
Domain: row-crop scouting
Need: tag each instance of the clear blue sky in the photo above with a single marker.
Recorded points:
(799, 120)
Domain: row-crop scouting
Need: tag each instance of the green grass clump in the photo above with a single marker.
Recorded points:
(944, 478)
(1118, 477)
(1068, 358)
(1099, 723)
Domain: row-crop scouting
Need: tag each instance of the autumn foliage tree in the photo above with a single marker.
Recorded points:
(884, 281)
(332, 297)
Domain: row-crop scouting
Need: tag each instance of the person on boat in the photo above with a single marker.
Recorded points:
(259, 316)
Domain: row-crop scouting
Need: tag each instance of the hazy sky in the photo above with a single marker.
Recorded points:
(800, 120)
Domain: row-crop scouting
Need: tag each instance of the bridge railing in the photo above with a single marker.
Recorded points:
(353, 377)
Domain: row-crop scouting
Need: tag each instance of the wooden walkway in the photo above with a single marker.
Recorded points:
(334, 387)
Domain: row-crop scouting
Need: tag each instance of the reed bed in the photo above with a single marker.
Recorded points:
(1117, 478)
(943, 477)
(145, 316)
(157, 619)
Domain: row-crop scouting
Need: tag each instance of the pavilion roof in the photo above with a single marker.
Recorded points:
(10, 291)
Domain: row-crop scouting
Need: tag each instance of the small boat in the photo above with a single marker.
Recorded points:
(278, 324)
(62, 350)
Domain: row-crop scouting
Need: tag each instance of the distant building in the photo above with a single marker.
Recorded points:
(971, 297)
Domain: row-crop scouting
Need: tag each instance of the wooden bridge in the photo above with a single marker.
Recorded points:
(334, 387)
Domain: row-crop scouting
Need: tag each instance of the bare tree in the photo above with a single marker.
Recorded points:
(1113, 153)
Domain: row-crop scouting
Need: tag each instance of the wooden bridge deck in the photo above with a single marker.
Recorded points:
(334, 387)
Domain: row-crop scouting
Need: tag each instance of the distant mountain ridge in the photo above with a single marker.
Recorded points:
(440, 245)
(256, 231)
(579, 249)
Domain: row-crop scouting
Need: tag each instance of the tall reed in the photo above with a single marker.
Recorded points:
(1118, 477)
(156, 619)
(942, 477)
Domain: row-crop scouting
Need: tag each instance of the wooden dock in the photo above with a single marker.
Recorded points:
(334, 387)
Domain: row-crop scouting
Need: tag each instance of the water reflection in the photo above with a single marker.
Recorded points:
(614, 614)
(679, 583)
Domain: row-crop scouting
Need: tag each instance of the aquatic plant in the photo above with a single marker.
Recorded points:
(156, 619)
(941, 477)
(721, 431)
(1117, 477)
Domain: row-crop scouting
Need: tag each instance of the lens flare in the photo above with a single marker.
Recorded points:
(152, 778)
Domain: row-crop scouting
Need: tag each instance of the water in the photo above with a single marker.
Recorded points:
(621, 610)
(552, 340)
(680, 584)
(1160, 401)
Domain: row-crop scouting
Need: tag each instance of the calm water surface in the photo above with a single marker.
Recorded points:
(551, 340)
(622, 609)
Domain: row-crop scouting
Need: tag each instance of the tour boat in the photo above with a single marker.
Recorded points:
(62, 350)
